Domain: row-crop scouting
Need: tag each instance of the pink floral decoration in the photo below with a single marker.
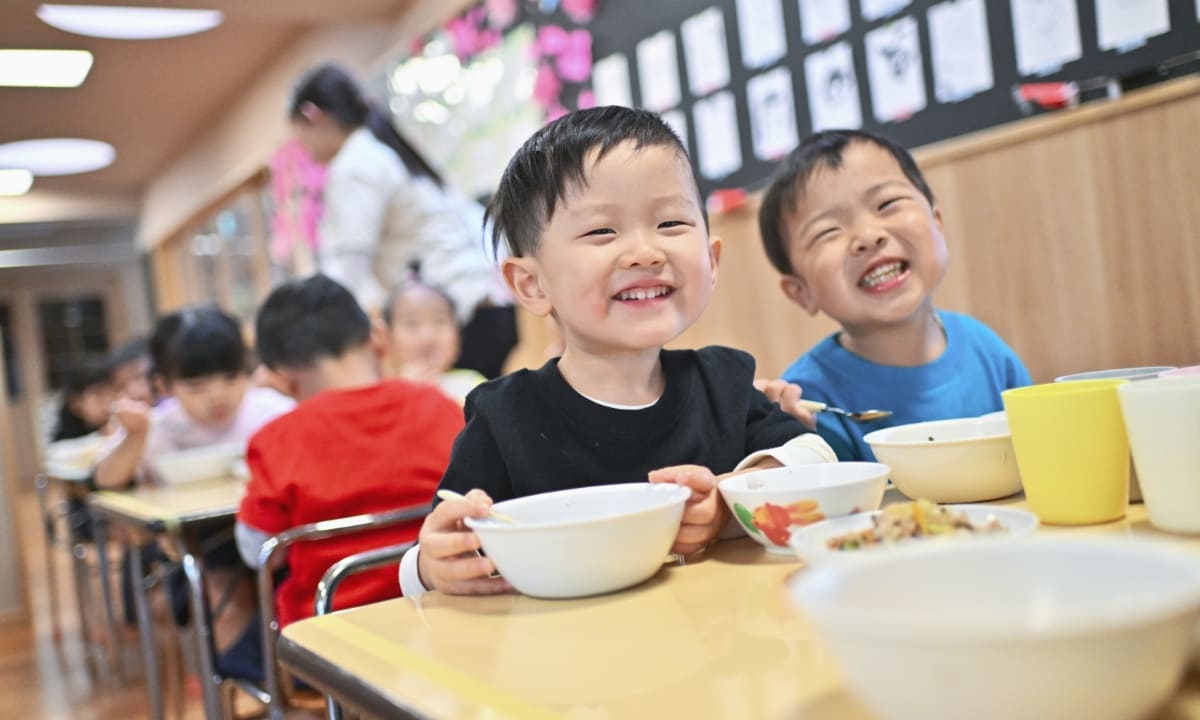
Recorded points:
(546, 86)
(297, 184)
(501, 13)
(581, 11)
(575, 60)
(586, 99)
(551, 40)
(468, 33)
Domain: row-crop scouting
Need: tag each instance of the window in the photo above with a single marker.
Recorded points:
(11, 375)
(73, 332)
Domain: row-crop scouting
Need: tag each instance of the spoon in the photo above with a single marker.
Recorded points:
(863, 416)
(447, 494)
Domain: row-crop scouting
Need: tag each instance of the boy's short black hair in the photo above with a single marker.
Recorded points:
(305, 320)
(823, 149)
(539, 175)
(197, 342)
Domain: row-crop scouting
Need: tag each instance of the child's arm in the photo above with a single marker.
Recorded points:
(788, 396)
(446, 559)
(705, 515)
(116, 468)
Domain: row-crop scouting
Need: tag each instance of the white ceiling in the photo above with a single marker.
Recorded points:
(150, 98)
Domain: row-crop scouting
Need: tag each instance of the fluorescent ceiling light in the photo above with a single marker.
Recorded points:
(44, 68)
(128, 23)
(15, 182)
(57, 156)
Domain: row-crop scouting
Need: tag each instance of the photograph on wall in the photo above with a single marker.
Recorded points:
(760, 30)
(960, 48)
(772, 114)
(610, 81)
(1046, 35)
(894, 70)
(1126, 24)
(705, 52)
(822, 20)
(833, 97)
(717, 139)
(658, 71)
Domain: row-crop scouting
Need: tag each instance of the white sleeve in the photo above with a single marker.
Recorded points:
(356, 206)
(805, 449)
(249, 543)
(410, 577)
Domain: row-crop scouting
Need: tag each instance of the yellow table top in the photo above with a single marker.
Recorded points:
(713, 639)
(166, 504)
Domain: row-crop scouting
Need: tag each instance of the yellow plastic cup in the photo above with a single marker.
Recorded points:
(1072, 450)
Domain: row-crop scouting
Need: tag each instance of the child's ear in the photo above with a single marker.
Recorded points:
(378, 339)
(799, 292)
(714, 254)
(522, 275)
(937, 219)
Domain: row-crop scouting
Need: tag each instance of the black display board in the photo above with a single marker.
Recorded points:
(622, 24)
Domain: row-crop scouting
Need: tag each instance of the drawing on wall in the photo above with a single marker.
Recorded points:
(705, 52)
(833, 98)
(962, 53)
(822, 20)
(760, 29)
(772, 113)
(715, 120)
(1126, 24)
(610, 81)
(875, 9)
(658, 71)
(894, 70)
(1046, 34)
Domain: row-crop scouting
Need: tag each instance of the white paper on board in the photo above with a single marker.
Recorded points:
(876, 9)
(822, 20)
(772, 113)
(677, 122)
(705, 53)
(610, 81)
(833, 97)
(715, 120)
(894, 70)
(1046, 34)
(1128, 23)
(658, 71)
(760, 29)
(962, 54)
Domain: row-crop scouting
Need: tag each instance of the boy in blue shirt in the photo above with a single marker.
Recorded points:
(606, 233)
(852, 226)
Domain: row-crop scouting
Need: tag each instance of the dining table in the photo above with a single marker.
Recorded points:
(716, 637)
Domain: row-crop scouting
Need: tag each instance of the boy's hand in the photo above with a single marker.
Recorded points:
(788, 396)
(704, 515)
(448, 561)
(133, 415)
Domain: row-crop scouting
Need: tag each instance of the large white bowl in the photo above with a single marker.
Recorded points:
(770, 504)
(810, 543)
(1035, 629)
(202, 463)
(950, 461)
(584, 541)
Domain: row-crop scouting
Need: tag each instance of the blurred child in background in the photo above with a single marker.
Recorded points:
(424, 340)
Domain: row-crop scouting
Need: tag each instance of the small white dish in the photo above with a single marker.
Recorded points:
(811, 543)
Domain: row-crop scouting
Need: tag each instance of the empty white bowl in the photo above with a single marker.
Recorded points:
(583, 541)
(811, 543)
(950, 461)
(770, 504)
(203, 463)
(1034, 629)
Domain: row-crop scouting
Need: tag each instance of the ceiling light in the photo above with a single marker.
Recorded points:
(44, 68)
(128, 23)
(57, 156)
(15, 182)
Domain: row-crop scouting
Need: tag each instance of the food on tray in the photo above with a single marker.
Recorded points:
(916, 519)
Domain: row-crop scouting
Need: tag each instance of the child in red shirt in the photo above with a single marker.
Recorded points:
(352, 445)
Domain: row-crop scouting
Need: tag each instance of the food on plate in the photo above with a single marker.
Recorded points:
(916, 519)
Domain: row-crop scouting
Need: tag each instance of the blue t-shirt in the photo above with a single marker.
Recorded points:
(964, 382)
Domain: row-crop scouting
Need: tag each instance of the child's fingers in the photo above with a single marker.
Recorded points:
(477, 586)
(441, 545)
(698, 478)
(463, 567)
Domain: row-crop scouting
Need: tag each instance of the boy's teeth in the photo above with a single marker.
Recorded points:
(641, 293)
(882, 274)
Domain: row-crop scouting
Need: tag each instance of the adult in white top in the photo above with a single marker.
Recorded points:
(388, 212)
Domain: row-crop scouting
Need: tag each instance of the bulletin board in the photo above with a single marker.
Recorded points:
(953, 65)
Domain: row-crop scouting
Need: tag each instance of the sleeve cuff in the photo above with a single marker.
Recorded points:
(410, 577)
(805, 449)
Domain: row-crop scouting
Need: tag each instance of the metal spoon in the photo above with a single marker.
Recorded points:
(862, 416)
(447, 494)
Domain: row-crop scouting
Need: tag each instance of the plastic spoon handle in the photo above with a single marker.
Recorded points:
(447, 494)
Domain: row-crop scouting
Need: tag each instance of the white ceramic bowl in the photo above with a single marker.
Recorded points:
(73, 459)
(770, 504)
(950, 461)
(202, 463)
(584, 541)
(1035, 629)
(809, 543)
